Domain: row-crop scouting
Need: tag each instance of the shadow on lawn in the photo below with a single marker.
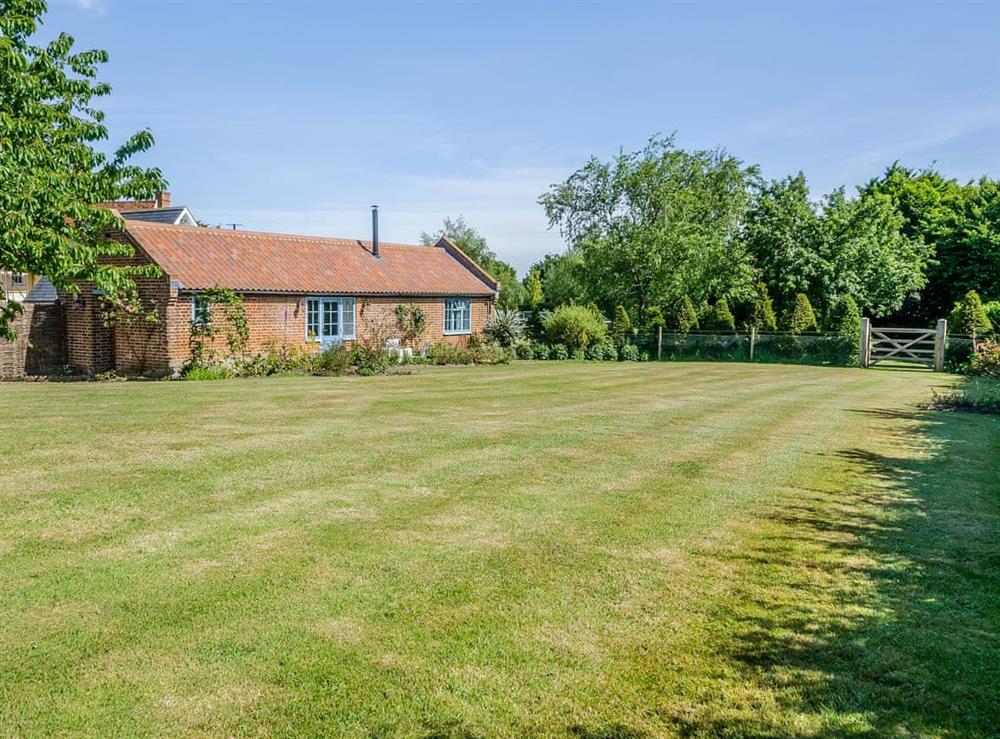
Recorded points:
(876, 612)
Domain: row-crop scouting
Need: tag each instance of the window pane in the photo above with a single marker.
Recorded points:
(330, 318)
(347, 318)
(312, 319)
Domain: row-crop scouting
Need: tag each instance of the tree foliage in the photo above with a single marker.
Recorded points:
(621, 324)
(575, 326)
(52, 175)
(845, 319)
(685, 318)
(653, 225)
(969, 315)
(801, 318)
(473, 243)
(534, 295)
(721, 318)
(762, 315)
(561, 278)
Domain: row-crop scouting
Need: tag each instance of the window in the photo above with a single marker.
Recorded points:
(458, 316)
(329, 320)
(17, 279)
(199, 310)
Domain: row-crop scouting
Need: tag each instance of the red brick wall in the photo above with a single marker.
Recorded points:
(39, 348)
(279, 322)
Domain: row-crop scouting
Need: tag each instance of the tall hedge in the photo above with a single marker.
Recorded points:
(802, 318)
(721, 318)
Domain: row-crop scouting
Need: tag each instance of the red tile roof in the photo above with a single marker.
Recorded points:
(248, 261)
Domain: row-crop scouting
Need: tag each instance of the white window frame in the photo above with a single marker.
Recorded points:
(205, 311)
(345, 319)
(18, 279)
(463, 308)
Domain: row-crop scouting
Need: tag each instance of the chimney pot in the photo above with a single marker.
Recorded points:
(375, 230)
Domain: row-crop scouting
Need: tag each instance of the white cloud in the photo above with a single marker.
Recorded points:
(96, 6)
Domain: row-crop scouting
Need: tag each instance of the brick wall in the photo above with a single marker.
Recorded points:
(279, 322)
(39, 348)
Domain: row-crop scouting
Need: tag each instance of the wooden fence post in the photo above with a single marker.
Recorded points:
(659, 343)
(753, 340)
(864, 345)
(940, 340)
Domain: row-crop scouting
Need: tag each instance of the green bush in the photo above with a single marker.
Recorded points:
(368, 360)
(685, 318)
(621, 326)
(986, 361)
(969, 316)
(559, 351)
(721, 318)
(595, 352)
(575, 326)
(992, 310)
(802, 318)
(610, 352)
(207, 372)
(977, 394)
(629, 353)
(578, 354)
(644, 356)
(336, 360)
(762, 316)
(525, 350)
(845, 319)
(504, 327)
(444, 352)
(653, 318)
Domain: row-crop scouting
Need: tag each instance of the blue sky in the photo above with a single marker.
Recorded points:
(297, 116)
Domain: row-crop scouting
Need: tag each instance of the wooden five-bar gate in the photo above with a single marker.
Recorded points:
(915, 345)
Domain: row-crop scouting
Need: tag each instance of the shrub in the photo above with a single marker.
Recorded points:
(207, 372)
(644, 356)
(610, 352)
(621, 326)
(684, 318)
(721, 318)
(525, 350)
(336, 360)
(575, 326)
(578, 354)
(762, 316)
(595, 352)
(653, 318)
(629, 353)
(845, 319)
(801, 318)
(986, 361)
(977, 394)
(368, 360)
(559, 351)
(444, 352)
(969, 316)
(504, 327)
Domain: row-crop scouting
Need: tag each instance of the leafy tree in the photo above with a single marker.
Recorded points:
(621, 325)
(721, 318)
(845, 319)
(684, 316)
(762, 316)
(969, 316)
(51, 175)
(473, 243)
(784, 235)
(867, 255)
(656, 224)
(961, 226)
(561, 279)
(534, 296)
(801, 318)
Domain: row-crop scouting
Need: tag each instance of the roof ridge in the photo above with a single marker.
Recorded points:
(275, 234)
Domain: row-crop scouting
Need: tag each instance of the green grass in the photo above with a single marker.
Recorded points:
(565, 549)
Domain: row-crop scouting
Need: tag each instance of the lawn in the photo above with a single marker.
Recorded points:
(567, 549)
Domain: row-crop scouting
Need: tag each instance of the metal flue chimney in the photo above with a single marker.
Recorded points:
(375, 230)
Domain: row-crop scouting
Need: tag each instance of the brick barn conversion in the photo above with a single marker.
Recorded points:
(304, 292)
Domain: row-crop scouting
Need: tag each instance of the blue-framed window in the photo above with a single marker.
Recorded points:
(458, 316)
(329, 320)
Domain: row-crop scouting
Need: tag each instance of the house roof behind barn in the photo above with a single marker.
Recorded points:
(248, 261)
